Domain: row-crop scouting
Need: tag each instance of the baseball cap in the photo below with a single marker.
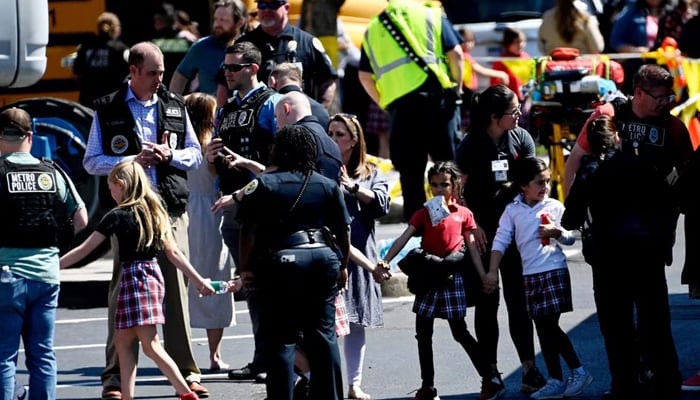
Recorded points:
(274, 4)
(15, 124)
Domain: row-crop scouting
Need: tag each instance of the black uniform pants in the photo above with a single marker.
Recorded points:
(306, 281)
(519, 322)
(631, 281)
(460, 333)
(420, 127)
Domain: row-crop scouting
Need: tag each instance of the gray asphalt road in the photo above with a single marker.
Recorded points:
(391, 366)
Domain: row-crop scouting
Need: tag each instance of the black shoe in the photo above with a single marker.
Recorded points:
(244, 374)
(302, 389)
(532, 381)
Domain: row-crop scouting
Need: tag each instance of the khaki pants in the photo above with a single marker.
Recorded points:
(177, 336)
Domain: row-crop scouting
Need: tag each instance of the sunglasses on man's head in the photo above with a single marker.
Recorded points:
(11, 130)
(235, 67)
(273, 5)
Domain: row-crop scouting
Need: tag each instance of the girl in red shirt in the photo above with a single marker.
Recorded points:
(446, 300)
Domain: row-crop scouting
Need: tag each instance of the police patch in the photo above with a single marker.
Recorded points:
(119, 144)
(653, 135)
(173, 112)
(172, 140)
(250, 187)
(30, 182)
(243, 117)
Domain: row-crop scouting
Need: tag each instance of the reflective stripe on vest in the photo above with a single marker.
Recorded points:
(395, 73)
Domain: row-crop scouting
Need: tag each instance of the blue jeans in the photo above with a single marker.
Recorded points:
(28, 309)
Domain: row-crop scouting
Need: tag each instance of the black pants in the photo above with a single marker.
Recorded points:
(631, 281)
(298, 299)
(419, 127)
(460, 333)
(519, 322)
(554, 343)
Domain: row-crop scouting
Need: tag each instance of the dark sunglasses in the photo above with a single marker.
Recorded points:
(346, 115)
(274, 5)
(12, 130)
(441, 184)
(235, 67)
(349, 119)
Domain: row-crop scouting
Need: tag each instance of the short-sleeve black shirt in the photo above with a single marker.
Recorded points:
(122, 222)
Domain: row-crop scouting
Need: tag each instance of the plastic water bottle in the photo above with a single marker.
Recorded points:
(220, 287)
(5, 274)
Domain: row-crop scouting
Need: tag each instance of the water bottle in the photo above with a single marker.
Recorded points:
(5, 274)
(220, 287)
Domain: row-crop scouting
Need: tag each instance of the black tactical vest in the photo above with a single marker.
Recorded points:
(648, 139)
(31, 209)
(119, 138)
(238, 128)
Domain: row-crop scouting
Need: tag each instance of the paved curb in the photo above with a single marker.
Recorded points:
(396, 286)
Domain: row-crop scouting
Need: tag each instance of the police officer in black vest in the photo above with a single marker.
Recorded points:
(38, 205)
(244, 131)
(142, 121)
(634, 207)
(279, 41)
(294, 246)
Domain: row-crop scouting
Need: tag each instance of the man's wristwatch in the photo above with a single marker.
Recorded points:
(354, 188)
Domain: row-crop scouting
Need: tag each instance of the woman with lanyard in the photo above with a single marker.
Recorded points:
(486, 156)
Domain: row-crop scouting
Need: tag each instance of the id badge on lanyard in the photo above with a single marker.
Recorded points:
(500, 170)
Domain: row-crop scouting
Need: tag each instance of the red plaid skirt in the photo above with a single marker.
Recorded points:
(377, 119)
(342, 323)
(141, 293)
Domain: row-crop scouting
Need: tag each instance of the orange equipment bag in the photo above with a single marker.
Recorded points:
(569, 59)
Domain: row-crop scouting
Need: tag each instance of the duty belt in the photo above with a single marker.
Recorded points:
(304, 240)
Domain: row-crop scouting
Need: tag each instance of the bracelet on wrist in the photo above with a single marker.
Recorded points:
(354, 189)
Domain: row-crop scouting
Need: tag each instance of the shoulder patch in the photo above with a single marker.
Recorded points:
(318, 45)
(250, 187)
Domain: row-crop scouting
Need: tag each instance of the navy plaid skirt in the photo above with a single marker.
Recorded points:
(548, 293)
(141, 293)
(448, 302)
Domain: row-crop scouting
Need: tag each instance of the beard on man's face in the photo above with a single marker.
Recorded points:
(221, 35)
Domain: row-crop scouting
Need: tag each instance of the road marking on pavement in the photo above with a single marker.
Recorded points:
(79, 320)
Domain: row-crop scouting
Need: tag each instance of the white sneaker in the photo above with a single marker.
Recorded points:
(576, 383)
(553, 389)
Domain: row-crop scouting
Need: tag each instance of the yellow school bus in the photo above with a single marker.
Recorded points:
(72, 21)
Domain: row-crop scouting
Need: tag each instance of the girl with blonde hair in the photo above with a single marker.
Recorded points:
(142, 227)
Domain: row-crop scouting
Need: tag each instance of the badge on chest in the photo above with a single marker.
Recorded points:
(500, 170)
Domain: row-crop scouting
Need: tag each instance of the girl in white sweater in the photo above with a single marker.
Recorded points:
(533, 221)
